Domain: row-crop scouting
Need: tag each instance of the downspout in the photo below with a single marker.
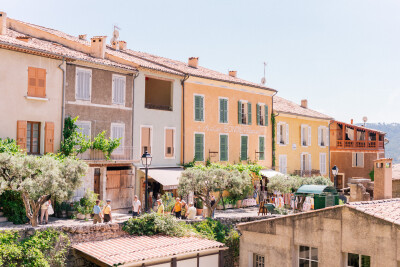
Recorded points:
(63, 96)
(329, 148)
(183, 117)
(272, 112)
(133, 120)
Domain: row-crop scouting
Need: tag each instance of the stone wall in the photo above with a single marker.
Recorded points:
(396, 188)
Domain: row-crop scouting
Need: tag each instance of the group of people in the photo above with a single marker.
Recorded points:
(102, 215)
(182, 211)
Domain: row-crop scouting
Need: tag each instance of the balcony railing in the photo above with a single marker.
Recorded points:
(349, 144)
(121, 153)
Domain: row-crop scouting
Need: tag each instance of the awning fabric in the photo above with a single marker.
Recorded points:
(270, 173)
(168, 177)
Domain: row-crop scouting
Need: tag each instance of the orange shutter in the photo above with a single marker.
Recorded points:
(41, 82)
(31, 81)
(21, 134)
(146, 140)
(169, 143)
(49, 137)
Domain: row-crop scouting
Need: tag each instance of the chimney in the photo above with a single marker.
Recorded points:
(233, 73)
(98, 46)
(122, 45)
(115, 45)
(351, 121)
(304, 103)
(3, 23)
(382, 179)
(25, 39)
(83, 37)
(193, 62)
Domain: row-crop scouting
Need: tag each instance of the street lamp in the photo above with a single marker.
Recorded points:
(146, 162)
(335, 171)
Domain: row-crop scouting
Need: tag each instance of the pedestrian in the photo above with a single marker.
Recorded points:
(160, 207)
(107, 212)
(184, 209)
(191, 212)
(177, 208)
(97, 218)
(212, 205)
(137, 206)
(44, 212)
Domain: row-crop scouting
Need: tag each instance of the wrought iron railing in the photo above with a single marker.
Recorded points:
(121, 153)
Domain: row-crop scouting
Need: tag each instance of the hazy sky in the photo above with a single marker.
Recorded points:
(342, 55)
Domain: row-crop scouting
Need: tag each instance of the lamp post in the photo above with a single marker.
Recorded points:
(146, 162)
(335, 171)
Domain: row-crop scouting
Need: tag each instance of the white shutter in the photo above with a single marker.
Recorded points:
(301, 161)
(278, 133)
(301, 134)
(117, 131)
(322, 163)
(287, 134)
(309, 162)
(285, 164)
(354, 160)
(320, 135)
(119, 85)
(327, 143)
(360, 159)
(309, 136)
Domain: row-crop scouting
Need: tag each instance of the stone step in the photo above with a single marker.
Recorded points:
(3, 219)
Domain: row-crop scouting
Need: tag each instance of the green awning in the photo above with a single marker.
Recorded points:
(315, 189)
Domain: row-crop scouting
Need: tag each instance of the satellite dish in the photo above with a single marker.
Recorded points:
(115, 34)
(263, 80)
(365, 119)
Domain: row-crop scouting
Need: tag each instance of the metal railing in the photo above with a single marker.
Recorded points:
(121, 153)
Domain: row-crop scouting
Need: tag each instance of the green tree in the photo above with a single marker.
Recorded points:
(289, 184)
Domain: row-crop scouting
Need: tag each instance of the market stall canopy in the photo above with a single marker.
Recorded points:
(168, 177)
(270, 173)
(315, 189)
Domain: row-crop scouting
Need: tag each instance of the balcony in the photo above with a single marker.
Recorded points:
(368, 145)
(123, 153)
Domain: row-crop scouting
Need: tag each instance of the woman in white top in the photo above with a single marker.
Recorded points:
(191, 212)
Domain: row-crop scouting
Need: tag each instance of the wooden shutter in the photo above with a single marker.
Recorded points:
(258, 113)
(223, 147)
(169, 142)
(326, 136)
(198, 109)
(239, 112)
(319, 136)
(249, 113)
(309, 136)
(199, 147)
(21, 134)
(201, 108)
(301, 135)
(226, 110)
(278, 133)
(309, 162)
(261, 147)
(287, 134)
(41, 83)
(49, 137)
(301, 161)
(146, 135)
(243, 150)
(266, 115)
(32, 81)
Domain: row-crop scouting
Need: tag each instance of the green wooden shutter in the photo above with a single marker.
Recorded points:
(196, 108)
(249, 113)
(226, 110)
(239, 112)
(266, 115)
(258, 114)
(223, 147)
(221, 110)
(261, 148)
(243, 148)
(199, 147)
(201, 108)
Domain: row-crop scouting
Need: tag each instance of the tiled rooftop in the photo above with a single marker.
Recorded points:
(286, 106)
(386, 209)
(142, 248)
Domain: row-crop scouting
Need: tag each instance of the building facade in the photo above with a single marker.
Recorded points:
(302, 139)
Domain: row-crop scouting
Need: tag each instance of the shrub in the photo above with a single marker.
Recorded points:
(289, 184)
(8, 145)
(13, 207)
(212, 229)
(232, 241)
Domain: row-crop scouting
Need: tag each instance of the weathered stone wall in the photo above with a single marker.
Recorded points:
(396, 188)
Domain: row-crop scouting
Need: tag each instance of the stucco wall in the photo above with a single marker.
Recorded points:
(293, 149)
(334, 232)
(15, 106)
(212, 128)
(343, 160)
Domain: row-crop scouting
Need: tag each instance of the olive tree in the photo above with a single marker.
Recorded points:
(202, 182)
(39, 178)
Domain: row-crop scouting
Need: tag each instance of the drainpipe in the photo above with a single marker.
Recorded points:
(329, 148)
(272, 112)
(133, 120)
(183, 117)
(63, 96)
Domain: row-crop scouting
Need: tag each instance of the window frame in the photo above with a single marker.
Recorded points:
(119, 150)
(219, 109)
(247, 152)
(194, 107)
(310, 260)
(90, 84)
(31, 141)
(194, 146)
(118, 76)
(227, 147)
(173, 142)
(87, 123)
(256, 263)
(354, 164)
(359, 259)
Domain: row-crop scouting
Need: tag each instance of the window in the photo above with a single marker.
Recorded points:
(243, 147)
(244, 112)
(118, 131)
(158, 94)
(223, 147)
(199, 147)
(305, 163)
(305, 135)
(258, 260)
(322, 163)
(283, 164)
(358, 159)
(146, 139)
(33, 137)
(282, 133)
(36, 82)
(356, 260)
(83, 84)
(169, 143)
(199, 108)
(308, 256)
(223, 110)
(84, 127)
(323, 136)
(261, 148)
(118, 89)
(262, 114)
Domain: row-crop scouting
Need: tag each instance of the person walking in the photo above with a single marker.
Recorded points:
(184, 209)
(191, 212)
(136, 207)
(107, 212)
(177, 208)
(160, 207)
(44, 212)
(97, 218)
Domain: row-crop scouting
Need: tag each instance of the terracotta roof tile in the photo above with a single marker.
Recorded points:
(386, 209)
(286, 106)
(141, 248)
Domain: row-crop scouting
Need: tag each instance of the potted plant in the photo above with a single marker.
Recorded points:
(199, 206)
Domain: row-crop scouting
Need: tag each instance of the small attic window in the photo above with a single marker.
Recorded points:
(94, 41)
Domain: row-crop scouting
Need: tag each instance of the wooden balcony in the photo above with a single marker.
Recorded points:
(367, 145)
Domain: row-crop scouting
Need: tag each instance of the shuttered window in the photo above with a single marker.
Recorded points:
(358, 159)
(223, 110)
(261, 147)
(266, 118)
(244, 112)
(223, 147)
(118, 89)
(146, 139)
(322, 163)
(21, 134)
(243, 147)
(169, 143)
(323, 136)
(305, 135)
(198, 108)
(36, 82)
(199, 147)
(83, 84)
(84, 127)
(305, 163)
(283, 164)
(118, 131)
(33, 137)
(49, 137)
(249, 113)
(262, 114)
(282, 133)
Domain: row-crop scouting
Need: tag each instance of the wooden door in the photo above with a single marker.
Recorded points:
(96, 185)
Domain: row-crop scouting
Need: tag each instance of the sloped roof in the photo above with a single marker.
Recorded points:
(133, 249)
(282, 105)
(386, 209)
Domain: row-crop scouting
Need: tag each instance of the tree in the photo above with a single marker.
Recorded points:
(38, 178)
(289, 184)
(202, 182)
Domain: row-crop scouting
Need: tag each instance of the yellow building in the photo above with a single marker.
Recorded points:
(302, 139)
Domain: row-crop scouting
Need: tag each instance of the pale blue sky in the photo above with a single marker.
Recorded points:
(342, 55)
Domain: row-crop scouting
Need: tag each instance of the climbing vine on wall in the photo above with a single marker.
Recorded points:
(273, 122)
